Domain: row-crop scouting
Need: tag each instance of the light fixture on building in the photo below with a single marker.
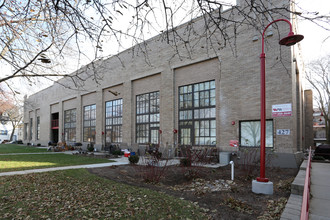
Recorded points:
(115, 93)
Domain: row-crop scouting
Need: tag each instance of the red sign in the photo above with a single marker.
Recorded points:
(233, 143)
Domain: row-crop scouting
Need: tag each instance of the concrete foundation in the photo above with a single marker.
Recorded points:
(262, 187)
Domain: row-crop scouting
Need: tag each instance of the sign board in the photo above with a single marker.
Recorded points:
(233, 143)
(283, 131)
(282, 110)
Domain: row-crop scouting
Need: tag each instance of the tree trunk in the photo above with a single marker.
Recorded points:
(12, 134)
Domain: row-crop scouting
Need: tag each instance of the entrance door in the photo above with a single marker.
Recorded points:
(54, 135)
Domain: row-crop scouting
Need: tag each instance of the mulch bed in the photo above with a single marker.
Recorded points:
(211, 188)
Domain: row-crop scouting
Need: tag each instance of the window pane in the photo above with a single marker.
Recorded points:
(212, 101)
(250, 133)
(190, 88)
(201, 86)
(213, 124)
(212, 93)
(212, 84)
(196, 113)
(196, 88)
(207, 85)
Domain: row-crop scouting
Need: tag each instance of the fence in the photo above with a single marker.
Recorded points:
(305, 203)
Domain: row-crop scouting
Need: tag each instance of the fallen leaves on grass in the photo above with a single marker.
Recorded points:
(77, 194)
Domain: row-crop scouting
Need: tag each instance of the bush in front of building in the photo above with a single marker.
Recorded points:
(185, 162)
(134, 159)
(90, 147)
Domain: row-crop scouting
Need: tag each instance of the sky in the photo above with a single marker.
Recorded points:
(314, 45)
(317, 40)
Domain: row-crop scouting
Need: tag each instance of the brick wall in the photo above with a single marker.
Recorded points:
(156, 66)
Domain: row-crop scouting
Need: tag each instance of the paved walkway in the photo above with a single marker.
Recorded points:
(118, 161)
(319, 203)
(319, 208)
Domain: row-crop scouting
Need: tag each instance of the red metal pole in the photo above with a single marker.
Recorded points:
(262, 177)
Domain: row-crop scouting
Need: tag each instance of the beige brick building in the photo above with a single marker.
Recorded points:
(197, 91)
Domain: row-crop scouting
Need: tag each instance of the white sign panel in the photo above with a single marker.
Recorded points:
(282, 110)
(283, 131)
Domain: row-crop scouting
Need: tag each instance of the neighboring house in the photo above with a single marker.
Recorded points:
(207, 97)
(6, 129)
(4, 134)
(319, 127)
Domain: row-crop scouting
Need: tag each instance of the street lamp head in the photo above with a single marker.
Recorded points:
(291, 39)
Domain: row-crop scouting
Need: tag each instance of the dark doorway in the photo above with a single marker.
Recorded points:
(54, 127)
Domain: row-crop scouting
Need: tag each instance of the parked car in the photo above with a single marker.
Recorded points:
(323, 150)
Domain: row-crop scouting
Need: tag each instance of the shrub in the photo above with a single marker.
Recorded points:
(158, 154)
(185, 162)
(38, 145)
(28, 144)
(154, 170)
(90, 147)
(117, 152)
(134, 159)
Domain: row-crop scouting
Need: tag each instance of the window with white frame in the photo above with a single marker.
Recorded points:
(250, 133)
(89, 123)
(197, 114)
(147, 118)
(113, 121)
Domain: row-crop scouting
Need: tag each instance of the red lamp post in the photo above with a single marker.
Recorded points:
(290, 40)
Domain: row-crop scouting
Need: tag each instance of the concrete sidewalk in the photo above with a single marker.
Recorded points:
(118, 161)
(319, 208)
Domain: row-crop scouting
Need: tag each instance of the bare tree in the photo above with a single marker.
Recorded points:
(37, 36)
(318, 75)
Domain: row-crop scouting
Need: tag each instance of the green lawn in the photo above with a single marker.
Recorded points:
(16, 148)
(35, 161)
(77, 194)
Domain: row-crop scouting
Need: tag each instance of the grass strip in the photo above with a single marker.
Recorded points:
(77, 194)
(15, 148)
